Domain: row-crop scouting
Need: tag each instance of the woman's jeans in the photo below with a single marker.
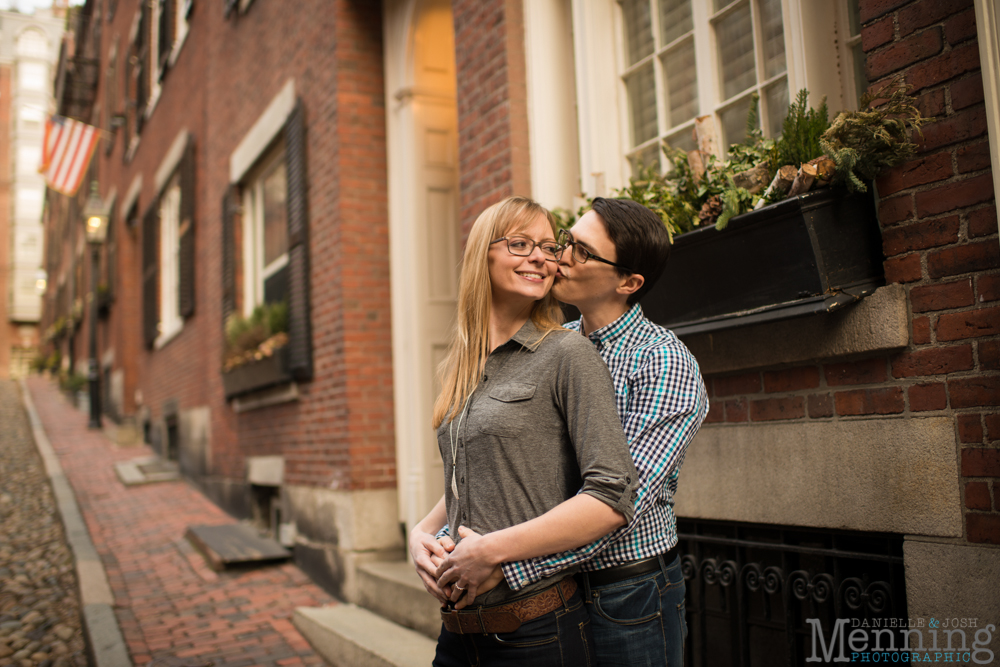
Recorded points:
(640, 621)
(560, 638)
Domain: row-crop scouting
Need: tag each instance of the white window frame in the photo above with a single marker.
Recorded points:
(254, 271)
(171, 322)
(811, 36)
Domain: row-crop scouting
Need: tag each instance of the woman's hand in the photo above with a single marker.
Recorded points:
(428, 554)
(470, 566)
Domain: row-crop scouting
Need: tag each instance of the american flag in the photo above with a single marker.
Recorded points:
(66, 152)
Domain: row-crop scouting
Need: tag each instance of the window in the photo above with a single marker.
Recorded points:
(170, 317)
(853, 54)
(669, 48)
(28, 203)
(33, 44)
(168, 228)
(265, 225)
(265, 233)
(32, 76)
(31, 117)
(28, 159)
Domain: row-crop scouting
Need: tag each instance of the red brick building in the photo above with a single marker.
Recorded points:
(330, 156)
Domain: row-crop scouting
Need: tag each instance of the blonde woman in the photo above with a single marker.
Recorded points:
(535, 459)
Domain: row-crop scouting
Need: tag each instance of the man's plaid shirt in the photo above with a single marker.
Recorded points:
(662, 401)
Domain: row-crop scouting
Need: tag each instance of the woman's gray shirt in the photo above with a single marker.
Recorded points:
(541, 427)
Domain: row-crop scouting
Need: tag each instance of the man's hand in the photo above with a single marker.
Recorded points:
(428, 554)
(471, 565)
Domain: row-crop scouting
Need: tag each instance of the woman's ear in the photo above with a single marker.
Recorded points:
(630, 284)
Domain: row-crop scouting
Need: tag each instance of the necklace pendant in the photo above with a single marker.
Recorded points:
(454, 485)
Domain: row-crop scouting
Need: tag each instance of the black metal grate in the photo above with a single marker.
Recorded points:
(750, 589)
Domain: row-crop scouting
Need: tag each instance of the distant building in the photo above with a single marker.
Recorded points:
(29, 50)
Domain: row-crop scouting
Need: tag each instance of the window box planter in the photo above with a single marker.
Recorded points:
(813, 253)
(256, 375)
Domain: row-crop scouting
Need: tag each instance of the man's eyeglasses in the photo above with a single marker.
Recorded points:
(522, 246)
(581, 254)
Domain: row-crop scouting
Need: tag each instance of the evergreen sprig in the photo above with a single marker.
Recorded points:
(865, 143)
(802, 130)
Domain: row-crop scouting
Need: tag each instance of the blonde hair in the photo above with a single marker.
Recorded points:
(462, 367)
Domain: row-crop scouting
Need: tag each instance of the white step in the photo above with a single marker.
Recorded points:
(349, 636)
(392, 589)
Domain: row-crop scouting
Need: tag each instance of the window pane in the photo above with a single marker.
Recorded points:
(722, 4)
(28, 159)
(773, 35)
(682, 83)
(683, 140)
(776, 99)
(33, 44)
(734, 35)
(734, 122)
(638, 30)
(642, 104)
(649, 157)
(860, 80)
(854, 16)
(675, 19)
(32, 76)
(275, 214)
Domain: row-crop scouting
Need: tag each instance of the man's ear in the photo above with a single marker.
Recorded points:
(630, 285)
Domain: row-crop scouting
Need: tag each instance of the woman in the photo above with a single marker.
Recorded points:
(531, 442)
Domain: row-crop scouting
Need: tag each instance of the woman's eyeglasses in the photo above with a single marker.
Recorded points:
(581, 254)
(522, 246)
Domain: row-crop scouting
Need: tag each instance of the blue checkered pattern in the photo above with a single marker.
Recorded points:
(662, 401)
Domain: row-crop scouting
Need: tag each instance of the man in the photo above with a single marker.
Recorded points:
(632, 581)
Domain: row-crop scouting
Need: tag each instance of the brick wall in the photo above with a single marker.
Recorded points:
(339, 434)
(492, 103)
(940, 239)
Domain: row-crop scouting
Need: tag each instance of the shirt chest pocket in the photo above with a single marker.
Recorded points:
(509, 409)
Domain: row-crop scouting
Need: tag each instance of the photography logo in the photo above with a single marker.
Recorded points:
(919, 640)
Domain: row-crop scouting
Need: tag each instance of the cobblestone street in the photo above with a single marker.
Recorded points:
(39, 610)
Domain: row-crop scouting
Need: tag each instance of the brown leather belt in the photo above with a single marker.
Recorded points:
(508, 617)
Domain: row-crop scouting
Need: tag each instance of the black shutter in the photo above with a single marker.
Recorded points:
(230, 217)
(150, 273)
(186, 270)
(167, 27)
(299, 328)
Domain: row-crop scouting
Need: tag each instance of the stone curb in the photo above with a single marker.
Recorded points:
(101, 632)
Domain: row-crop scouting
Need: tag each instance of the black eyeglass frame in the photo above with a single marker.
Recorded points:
(535, 244)
(566, 240)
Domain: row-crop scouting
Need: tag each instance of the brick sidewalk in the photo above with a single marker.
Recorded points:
(167, 601)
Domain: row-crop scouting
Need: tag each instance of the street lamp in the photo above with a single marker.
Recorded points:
(95, 217)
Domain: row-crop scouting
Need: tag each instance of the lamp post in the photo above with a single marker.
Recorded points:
(95, 216)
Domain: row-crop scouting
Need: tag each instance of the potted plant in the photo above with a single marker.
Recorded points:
(255, 354)
(783, 227)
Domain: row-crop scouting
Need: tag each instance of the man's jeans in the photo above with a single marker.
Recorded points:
(560, 638)
(640, 621)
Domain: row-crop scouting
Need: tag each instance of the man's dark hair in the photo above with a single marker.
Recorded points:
(640, 237)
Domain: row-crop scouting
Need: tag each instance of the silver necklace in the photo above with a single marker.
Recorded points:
(454, 447)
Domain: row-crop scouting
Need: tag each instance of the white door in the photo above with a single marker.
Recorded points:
(424, 232)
